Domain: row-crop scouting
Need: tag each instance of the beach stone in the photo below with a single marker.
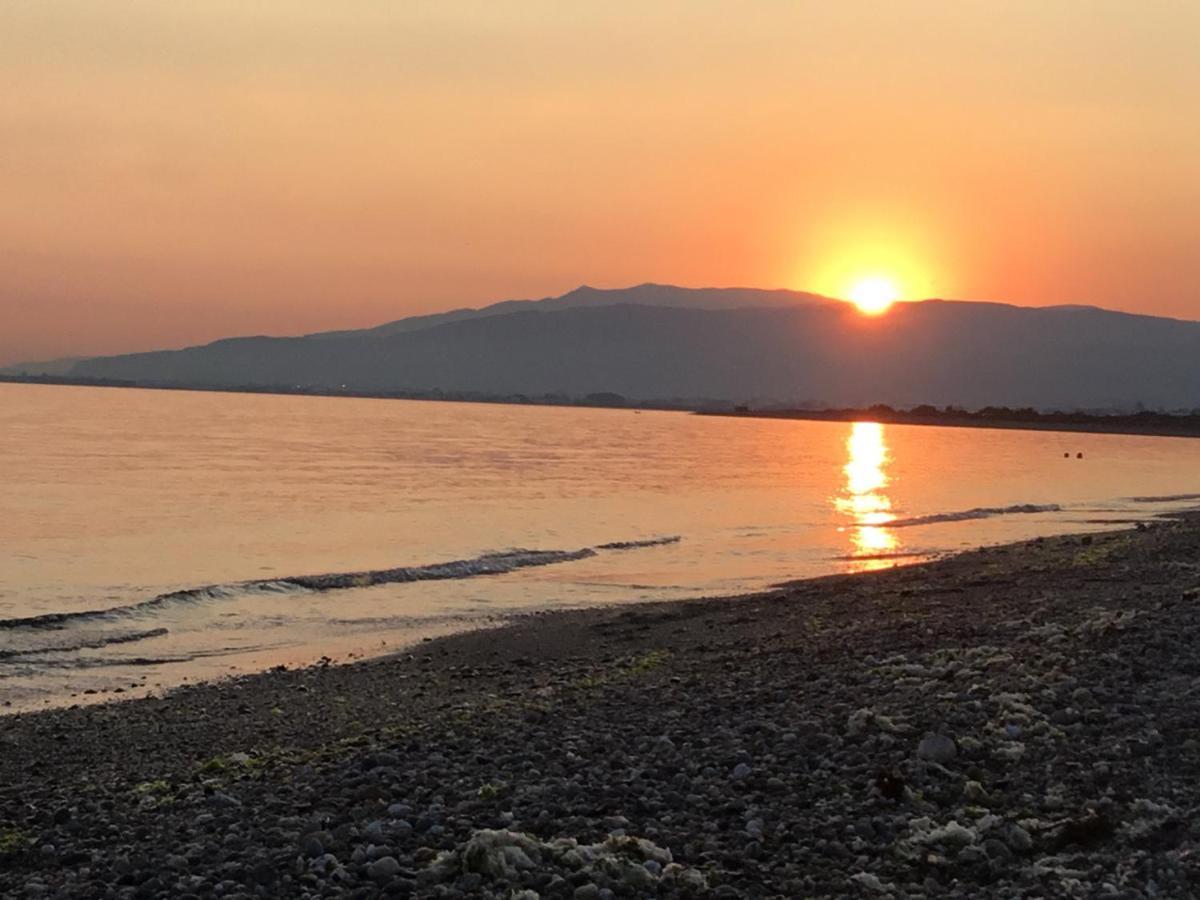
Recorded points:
(997, 850)
(971, 856)
(311, 847)
(401, 829)
(423, 824)
(264, 872)
(865, 829)
(937, 748)
(323, 864)
(374, 831)
(375, 852)
(1018, 839)
(871, 882)
(974, 792)
(691, 879)
(384, 869)
(741, 772)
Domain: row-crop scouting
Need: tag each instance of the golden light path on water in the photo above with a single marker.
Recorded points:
(865, 498)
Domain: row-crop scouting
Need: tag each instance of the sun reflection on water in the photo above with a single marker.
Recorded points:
(864, 498)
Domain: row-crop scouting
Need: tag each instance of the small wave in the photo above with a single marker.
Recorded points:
(189, 595)
(1166, 498)
(84, 661)
(487, 564)
(633, 586)
(86, 644)
(982, 512)
(634, 545)
(868, 557)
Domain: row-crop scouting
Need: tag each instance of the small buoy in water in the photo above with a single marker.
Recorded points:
(1079, 456)
(1066, 455)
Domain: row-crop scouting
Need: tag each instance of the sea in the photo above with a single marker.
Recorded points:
(150, 539)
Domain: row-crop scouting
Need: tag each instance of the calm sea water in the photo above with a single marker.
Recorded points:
(110, 498)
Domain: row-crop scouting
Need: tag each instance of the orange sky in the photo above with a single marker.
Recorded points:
(176, 172)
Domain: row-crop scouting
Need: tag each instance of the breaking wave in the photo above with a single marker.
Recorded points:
(982, 512)
(487, 564)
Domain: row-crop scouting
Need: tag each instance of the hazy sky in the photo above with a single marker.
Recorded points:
(175, 172)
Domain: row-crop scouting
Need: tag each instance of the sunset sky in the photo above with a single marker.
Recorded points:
(172, 173)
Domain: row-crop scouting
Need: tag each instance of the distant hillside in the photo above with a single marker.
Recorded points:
(657, 342)
(43, 367)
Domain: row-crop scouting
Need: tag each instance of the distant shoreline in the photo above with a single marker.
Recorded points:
(1184, 426)
(1145, 424)
(592, 401)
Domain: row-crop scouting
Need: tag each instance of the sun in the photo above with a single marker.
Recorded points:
(873, 296)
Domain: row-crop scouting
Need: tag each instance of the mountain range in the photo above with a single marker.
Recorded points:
(664, 343)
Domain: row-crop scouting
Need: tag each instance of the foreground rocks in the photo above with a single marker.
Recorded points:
(1014, 722)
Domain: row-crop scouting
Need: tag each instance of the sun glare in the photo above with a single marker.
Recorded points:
(873, 296)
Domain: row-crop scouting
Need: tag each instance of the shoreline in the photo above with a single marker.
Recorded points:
(858, 415)
(420, 396)
(819, 739)
(716, 409)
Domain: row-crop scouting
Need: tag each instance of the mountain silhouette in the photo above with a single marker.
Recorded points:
(658, 342)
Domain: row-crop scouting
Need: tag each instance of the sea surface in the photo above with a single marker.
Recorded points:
(151, 538)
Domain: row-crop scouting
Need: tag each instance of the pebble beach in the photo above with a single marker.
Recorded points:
(1016, 721)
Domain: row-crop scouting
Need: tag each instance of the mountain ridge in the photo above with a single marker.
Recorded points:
(659, 342)
(648, 293)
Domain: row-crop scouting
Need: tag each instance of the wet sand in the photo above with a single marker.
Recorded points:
(1017, 720)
